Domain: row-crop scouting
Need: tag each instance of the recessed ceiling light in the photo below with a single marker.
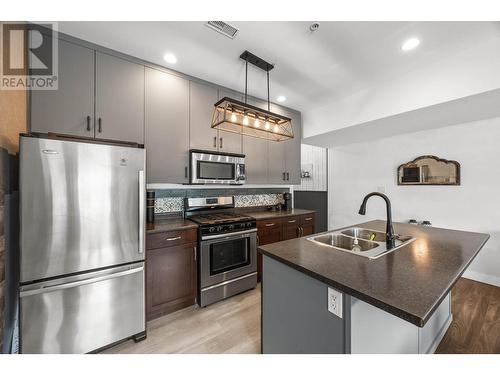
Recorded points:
(410, 44)
(170, 58)
(281, 98)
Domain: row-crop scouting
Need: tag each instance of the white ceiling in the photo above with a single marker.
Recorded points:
(311, 67)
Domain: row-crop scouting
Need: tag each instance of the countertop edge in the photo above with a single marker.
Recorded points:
(262, 215)
(405, 315)
(457, 277)
(352, 292)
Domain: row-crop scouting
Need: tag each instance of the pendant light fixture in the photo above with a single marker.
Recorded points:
(234, 116)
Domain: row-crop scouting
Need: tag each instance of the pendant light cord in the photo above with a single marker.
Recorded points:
(246, 79)
(268, 101)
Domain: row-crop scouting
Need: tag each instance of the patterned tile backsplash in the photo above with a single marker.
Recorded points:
(166, 205)
(256, 200)
(176, 204)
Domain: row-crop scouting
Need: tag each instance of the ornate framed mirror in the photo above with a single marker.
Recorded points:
(429, 170)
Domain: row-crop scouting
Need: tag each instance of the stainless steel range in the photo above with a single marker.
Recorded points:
(227, 250)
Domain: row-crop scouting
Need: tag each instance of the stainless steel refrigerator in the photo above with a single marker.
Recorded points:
(82, 244)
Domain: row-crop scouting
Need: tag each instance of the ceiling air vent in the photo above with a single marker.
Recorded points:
(223, 28)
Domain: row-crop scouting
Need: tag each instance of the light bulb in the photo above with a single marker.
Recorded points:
(245, 120)
(276, 128)
(233, 117)
(267, 125)
(256, 123)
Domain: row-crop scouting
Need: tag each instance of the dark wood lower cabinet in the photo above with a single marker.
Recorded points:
(281, 229)
(291, 228)
(170, 279)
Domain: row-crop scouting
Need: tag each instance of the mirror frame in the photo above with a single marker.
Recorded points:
(455, 163)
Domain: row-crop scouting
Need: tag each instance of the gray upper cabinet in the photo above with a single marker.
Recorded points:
(201, 107)
(166, 127)
(256, 152)
(276, 162)
(70, 109)
(256, 160)
(111, 96)
(119, 99)
(288, 150)
(229, 142)
(292, 150)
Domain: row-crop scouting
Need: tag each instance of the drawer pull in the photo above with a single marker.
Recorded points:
(308, 218)
(270, 225)
(292, 221)
(174, 238)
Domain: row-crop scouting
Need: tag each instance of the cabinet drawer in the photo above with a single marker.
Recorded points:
(269, 224)
(291, 222)
(307, 219)
(171, 238)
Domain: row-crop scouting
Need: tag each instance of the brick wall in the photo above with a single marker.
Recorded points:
(12, 122)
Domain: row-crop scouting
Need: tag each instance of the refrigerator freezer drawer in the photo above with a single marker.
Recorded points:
(82, 313)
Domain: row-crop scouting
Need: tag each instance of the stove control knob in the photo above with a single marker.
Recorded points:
(231, 227)
(242, 225)
(219, 228)
(249, 225)
(211, 230)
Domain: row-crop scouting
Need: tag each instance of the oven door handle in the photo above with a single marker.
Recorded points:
(228, 235)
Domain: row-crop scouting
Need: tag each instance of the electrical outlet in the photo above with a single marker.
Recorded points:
(335, 302)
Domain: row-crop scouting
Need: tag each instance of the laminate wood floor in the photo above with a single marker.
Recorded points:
(229, 326)
(476, 319)
(233, 325)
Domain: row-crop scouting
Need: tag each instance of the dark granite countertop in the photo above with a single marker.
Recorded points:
(168, 224)
(410, 282)
(273, 214)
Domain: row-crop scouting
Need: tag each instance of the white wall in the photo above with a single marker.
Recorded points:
(314, 159)
(357, 169)
(469, 72)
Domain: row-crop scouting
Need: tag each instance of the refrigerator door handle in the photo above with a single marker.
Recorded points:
(74, 284)
(142, 213)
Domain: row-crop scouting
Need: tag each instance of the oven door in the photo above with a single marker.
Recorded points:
(227, 256)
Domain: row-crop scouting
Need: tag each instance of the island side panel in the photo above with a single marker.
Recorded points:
(295, 316)
(374, 331)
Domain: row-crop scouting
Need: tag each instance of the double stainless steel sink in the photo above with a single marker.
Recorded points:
(360, 241)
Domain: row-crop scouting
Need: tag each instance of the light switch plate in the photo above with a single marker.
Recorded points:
(335, 302)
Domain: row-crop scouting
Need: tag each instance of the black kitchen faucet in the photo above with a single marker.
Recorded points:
(389, 231)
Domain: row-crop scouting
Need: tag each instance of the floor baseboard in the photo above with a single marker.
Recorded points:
(481, 277)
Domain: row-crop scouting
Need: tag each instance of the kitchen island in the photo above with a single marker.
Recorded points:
(398, 303)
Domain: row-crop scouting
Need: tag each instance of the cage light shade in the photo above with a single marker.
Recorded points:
(233, 116)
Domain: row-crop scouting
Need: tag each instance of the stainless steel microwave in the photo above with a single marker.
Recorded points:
(209, 167)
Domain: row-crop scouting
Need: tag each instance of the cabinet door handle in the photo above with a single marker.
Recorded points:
(287, 176)
(301, 232)
(308, 218)
(220, 142)
(194, 253)
(258, 240)
(215, 142)
(292, 221)
(270, 225)
(99, 128)
(88, 123)
(284, 176)
(185, 172)
(174, 238)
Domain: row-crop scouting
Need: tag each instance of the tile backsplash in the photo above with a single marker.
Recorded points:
(167, 205)
(170, 201)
